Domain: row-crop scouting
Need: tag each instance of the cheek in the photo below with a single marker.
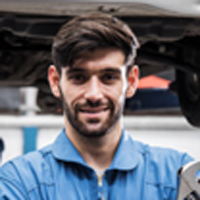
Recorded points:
(121, 93)
(66, 93)
(117, 93)
(74, 95)
(70, 92)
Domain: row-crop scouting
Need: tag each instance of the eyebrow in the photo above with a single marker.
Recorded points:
(74, 70)
(77, 70)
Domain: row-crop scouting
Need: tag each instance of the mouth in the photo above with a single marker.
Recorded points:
(93, 111)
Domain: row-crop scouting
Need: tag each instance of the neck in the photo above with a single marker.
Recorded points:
(98, 152)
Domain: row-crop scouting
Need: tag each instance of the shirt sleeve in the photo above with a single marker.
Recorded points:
(11, 187)
(186, 159)
(162, 176)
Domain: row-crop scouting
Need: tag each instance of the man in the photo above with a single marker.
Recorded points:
(93, 157)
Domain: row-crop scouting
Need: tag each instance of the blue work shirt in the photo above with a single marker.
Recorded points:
(58, 172)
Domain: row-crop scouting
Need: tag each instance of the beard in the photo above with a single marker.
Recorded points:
(81, 127)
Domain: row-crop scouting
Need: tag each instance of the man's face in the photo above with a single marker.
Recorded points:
(93, 91)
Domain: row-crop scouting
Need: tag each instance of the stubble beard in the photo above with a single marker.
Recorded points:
(81, 128)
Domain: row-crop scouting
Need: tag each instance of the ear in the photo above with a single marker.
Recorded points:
(54, 78)
(133, 78)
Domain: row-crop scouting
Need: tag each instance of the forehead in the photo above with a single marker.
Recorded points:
(100, 59)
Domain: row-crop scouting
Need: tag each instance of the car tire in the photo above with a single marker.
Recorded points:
(188, 88)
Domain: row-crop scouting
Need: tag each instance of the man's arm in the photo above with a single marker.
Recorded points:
(11, 186)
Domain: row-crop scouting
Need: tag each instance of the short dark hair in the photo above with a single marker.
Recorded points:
(89, 32)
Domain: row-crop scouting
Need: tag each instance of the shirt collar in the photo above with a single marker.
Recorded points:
(64, 150)
(126, 156)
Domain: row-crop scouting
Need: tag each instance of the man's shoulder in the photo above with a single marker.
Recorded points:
(163, 165)
(164, 155)
(29, 168)
(160, 155)
(32, 158)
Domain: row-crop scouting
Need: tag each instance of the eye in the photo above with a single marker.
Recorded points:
(78, 78)
(109, 78)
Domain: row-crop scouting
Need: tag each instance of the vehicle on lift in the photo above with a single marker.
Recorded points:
(168, 31)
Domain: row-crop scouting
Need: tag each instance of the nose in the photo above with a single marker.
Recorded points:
(93, 91)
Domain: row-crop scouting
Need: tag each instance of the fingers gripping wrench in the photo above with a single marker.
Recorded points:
(189, 188)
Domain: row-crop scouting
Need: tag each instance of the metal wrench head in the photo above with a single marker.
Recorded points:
(188, 180)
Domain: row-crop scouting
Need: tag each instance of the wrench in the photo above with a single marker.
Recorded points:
(189, 187)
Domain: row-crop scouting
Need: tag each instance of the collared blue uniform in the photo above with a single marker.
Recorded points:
(58, 172)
